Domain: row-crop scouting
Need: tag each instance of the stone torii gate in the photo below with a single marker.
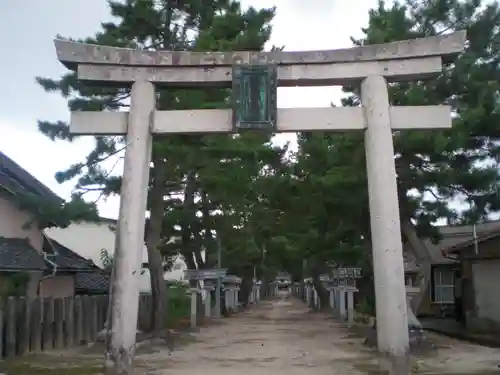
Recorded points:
(254, 107)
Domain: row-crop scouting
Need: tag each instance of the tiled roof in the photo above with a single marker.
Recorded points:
(88, 277)
(483, 233)
(17, 254)
(16, 179)
(67, 259)
(92, 282)
(454, 236)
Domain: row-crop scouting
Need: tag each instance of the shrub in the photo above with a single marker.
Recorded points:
(179, 304)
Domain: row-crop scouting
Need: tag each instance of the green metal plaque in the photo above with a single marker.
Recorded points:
(254, 97)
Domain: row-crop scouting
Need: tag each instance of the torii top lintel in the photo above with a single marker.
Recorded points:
(71, 54)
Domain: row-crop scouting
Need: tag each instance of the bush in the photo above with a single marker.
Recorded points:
(179, 304)
(366, 306)
(14, 285)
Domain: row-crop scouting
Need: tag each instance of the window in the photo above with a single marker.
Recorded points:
(443, 285)
(411, 279)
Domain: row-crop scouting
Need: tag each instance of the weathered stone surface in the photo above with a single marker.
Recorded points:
(299, 75)
(73, 53)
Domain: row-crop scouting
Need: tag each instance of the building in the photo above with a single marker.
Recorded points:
(30, 262)
(477, 281)
(90, 239)
(431, 273)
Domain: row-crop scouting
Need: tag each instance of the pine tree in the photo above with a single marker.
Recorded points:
(461, 163)
(186, 166)
(329, 220)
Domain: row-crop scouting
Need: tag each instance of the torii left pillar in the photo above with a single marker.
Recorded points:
(133, 205)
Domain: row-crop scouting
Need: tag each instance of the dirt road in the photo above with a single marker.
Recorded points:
(276, 337)
(282, 337)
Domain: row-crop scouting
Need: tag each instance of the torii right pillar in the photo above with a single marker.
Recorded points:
(387, 251)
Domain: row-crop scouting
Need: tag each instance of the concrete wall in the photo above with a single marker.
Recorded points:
(485, 280)
(57, 286)
(12, 221)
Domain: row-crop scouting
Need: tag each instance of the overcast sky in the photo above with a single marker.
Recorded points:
(29, 26)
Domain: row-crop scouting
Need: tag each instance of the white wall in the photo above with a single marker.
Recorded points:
(12, 221)
(87, 239)
(486, 278)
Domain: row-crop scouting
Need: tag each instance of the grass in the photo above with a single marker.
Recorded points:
(34, 366)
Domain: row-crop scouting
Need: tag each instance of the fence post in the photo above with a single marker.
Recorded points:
(78, 320)
(103, 302)
(93, 317)
(37, 324)
(59, 323)
(70, 322)
(25, 328)
(10, 339)
(48, 329)
(1, 328)
(87, 319)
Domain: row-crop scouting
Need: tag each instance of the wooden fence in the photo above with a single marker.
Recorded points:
(43, 324)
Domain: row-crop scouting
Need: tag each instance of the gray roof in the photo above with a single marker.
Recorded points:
(454, 235)
(17, 254)
(88, 277)
(16, 179)
(67, 259)
(92, 282)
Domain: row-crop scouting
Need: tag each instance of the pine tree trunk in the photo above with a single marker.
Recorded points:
(153, 238)
(323, 295)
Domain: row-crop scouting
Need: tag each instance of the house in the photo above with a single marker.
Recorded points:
(89, 279)
(430, 273)
(30, 262)
(89, 239)
(478, 279)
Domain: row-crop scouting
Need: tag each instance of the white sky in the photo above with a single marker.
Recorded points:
(29, 26)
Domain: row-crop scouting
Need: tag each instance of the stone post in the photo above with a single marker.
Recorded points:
(231, 298)
(130, 230)
(194, 297)
(331, 295)
(336, 302)
(392, 320)
(227, 301)
(342, 307)
(350, 306)
(208, 302)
